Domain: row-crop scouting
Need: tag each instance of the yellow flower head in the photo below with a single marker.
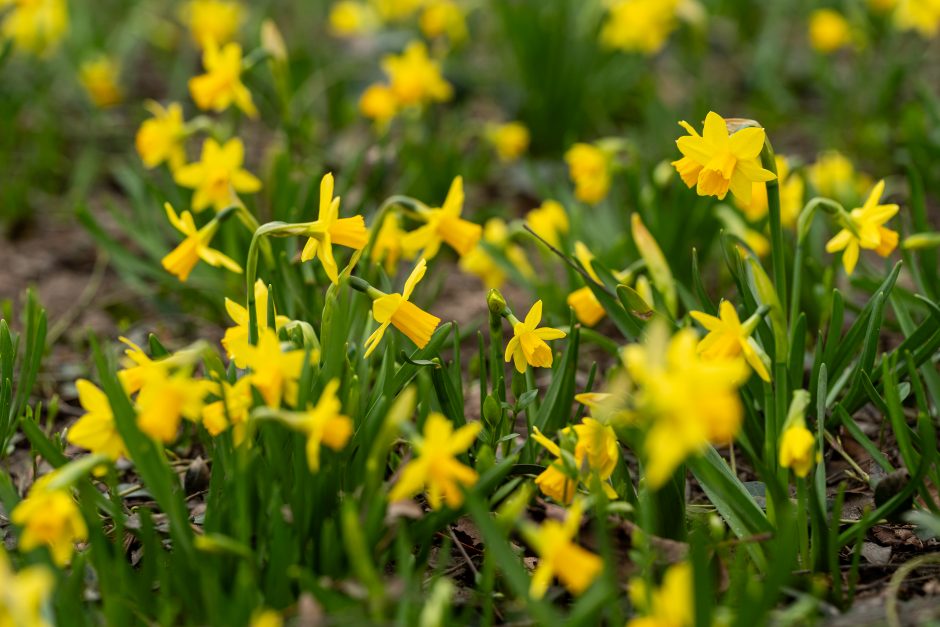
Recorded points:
(589, 168)
(99, 77)
(35, 26)
(528, 345)
(920, 15)
(274, 372)
(24, 595)
(727, 338)
(330, 229)
(444, 224)
(387, 248)
(443, 17)
(829, 31)
(137, 367)
(165, 399)
(718, 161)
(50, 518)
(160, 138)
(351, 17)
(639, 25)
(587, 308)
(510, 140)
(218, 176)
(869, 223)
(595, 451)
(672, 605)
(560, 557)
(833, 175)
(797, 449)
(407, 317)
(549, 221)
(325, 425)
(212, 21)
(231, 410)
(436, 467)
(182, 259)
(235, 341)
(222, 85)
(415, 78)
(95, 430)
(378, 103)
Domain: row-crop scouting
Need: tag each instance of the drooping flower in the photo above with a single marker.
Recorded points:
(231, 410)
(717, 161)
(415, 78)
(443, 17)
(274, 372)
(24, 595)
(671, 605)
(165, 399)
(387, 248)
(595, 452)
(95, 430)
(218, 176)
(510, 140)
(407, 317)
(221, 85)
(212, 21)
(436, 467)
(99, 77)
(330, 229)
(727, 337)
(589, 168)
(869, 223)
(829, 31)
(182, 259)
(235, 341)
(549, 221)
(560, 557)
(160, 138)
(639, 25)
(528, 345)
(444, 224)
(35, 26)
(797, 449)
(325, 425)
(49, 517)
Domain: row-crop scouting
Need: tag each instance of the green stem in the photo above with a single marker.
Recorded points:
(777, 254)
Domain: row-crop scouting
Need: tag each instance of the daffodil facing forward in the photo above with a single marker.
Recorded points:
(718, 161)
(560, 557)
(214, 21)
(218, 176)
(528, 345)
(727, 337)
(444, 224)
(436, 466)
(221, 85)
(396, 309)
(869, 230)
(182, 259)
(49, 517)
(160, 138)
(330, 229)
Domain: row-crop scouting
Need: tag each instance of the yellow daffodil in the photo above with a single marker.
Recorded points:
(549, 221)
(24, 595)
(671, 605)
(639, 25)
(378, 103)
(35, 26)
(214, 21)
(330, 229)
(182, 259)
(595, 451)
(443, 17)
(165, 399)
(235, 341)
(717, 161)
(218, 176)
(444, 224)
(574, 566)
(797, 449)
(528, 345)
(922, 16)
(231, 410)
(160, 138)
(349, 18)
(589, 168)
(436, 467)
(99, 77)
(325, 425)
(95, 430)
(387, 248)
(480, 263)
(274, 372)
(869, 223)
(587, 308)
(221, 85)
(686, 402)
(137, 367)
(510, 140)
(51, 518)
(407, 317)
(727, 337)
(415, 78)
(828, 31)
